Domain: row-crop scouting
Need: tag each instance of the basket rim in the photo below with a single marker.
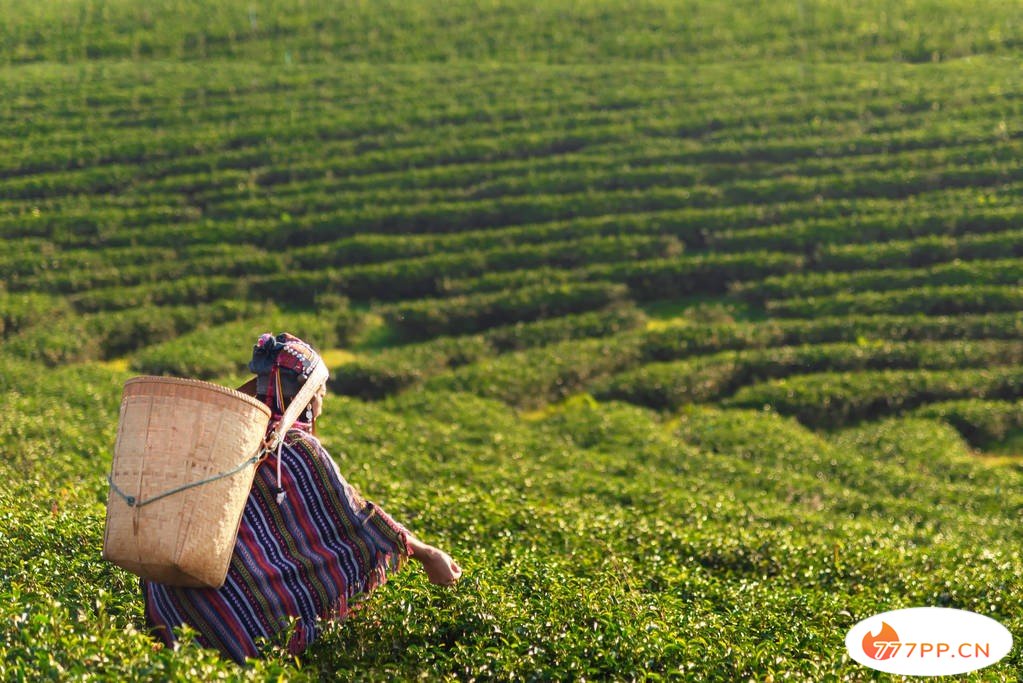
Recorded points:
(199, 384)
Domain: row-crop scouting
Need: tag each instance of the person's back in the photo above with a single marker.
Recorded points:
(308, 545)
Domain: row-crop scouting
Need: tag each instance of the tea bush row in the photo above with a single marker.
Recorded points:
(866, 346)
(921, 251)
(189, 290)
(982, 423)
(95, 224)
(404, 281)
(424, 276)
(22, 310)
(94, 220)
(219, 262)
(259, 104)
(393, 370)
(460, 314)
(594, 174)
(396, 369)
(426, 318)
(813, 234)
(225, 350)
(69, 272)
(670, 385)
(264, 274)
(704, 273)
(937, 300)
(835, 399)
(652, 162)
(513, 211)
(679, 342)
(697, 229)
(814, 285)
(242, 32)
(694, 226)
(112, 334)
(31, 257)
(440, 213)
(533, 377)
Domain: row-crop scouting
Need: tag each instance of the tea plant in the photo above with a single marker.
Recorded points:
(693, 335)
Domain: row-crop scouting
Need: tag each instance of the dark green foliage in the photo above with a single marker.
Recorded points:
(464, 207)
(652, 279)
(711, 378)
(374, 379)
(948, 300)
(982, 423)
(18, 311)
(710, 274)
(393, 370)
(467, 314)
(824, 238)
(922, 251)
(120, 332)
(533, 377)
(522, 335)
(649, 31)
(175, 292)
(226, 349)
(74, 271)
(837, 399)
(408, 278)
(811, 285)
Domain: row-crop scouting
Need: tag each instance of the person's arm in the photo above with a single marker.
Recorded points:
(438, 565)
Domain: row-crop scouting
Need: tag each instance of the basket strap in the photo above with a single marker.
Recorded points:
(317, 378)
(134, 502)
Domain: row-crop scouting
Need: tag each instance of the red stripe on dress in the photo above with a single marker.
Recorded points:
(331, 560)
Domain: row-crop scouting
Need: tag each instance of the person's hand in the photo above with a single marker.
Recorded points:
(439, 567)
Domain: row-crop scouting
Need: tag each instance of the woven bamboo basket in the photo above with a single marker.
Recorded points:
(184, 460)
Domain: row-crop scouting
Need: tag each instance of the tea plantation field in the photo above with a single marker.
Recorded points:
(693, 331)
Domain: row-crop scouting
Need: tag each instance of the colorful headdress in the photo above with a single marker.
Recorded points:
(282, 365)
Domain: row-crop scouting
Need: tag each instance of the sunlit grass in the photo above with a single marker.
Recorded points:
(335, 357)
(116, 364)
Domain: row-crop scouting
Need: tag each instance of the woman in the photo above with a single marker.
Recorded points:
(308, 544)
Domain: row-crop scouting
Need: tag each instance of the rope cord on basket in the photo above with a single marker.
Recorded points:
(134, 502)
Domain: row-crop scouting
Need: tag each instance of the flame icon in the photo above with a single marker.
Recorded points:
(877, 647)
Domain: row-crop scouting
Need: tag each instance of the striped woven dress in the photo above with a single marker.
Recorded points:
(308, 557)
